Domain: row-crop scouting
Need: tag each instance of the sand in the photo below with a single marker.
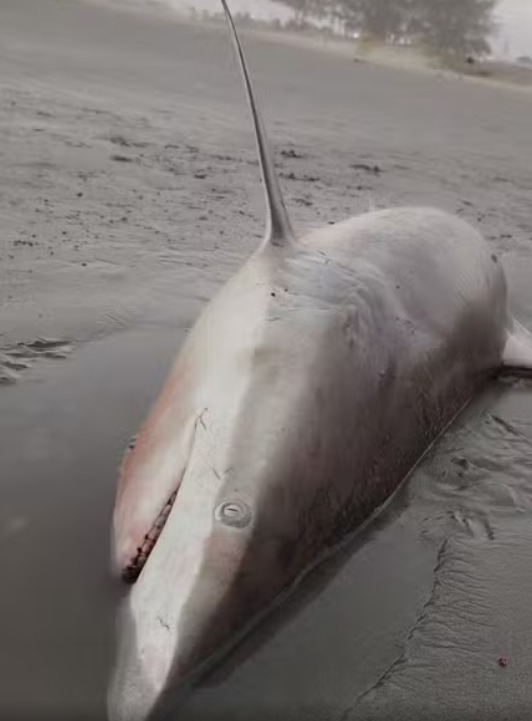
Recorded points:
(129, 192)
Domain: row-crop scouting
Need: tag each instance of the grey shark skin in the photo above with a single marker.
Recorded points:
(306, 392)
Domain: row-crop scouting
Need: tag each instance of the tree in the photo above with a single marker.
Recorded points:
(379, 19)
(454, 28)
(448, 28)
(304, 9)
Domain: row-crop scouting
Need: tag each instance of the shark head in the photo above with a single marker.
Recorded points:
(208, 523)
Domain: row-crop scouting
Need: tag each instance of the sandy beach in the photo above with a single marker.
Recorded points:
(129, 192)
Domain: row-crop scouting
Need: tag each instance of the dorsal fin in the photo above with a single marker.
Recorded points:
(278, 228)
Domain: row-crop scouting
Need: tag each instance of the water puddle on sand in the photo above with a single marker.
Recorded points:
(422, 606)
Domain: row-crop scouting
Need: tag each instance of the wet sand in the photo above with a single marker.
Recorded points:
(129, 193)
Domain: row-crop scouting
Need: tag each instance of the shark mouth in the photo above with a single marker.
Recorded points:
(133, 570)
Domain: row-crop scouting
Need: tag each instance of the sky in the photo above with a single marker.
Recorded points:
(515, 35)
(259, 8)
(514, 17)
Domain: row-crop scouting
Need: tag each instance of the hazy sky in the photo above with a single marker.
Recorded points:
(515, 17)
(259, 8)
(516, 26)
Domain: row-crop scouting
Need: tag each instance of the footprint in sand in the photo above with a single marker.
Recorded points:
(14, 361)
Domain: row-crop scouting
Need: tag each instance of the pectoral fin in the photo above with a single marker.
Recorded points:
(517, 354)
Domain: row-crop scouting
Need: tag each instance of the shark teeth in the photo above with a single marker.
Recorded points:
(134, 568)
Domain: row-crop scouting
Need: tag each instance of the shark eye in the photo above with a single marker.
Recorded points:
(233, 513)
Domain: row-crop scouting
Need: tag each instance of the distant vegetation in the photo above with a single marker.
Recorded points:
(447, 28)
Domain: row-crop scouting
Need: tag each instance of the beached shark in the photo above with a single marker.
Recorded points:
(304, 395)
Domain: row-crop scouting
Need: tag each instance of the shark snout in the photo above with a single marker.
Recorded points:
(186, 604)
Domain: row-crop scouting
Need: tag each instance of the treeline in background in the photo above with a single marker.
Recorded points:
(445, 28)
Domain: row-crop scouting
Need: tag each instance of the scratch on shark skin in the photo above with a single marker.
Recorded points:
(163, 623)
(200, 420)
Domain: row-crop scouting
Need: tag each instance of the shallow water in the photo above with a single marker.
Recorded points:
(62, 432)
(413, 615)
